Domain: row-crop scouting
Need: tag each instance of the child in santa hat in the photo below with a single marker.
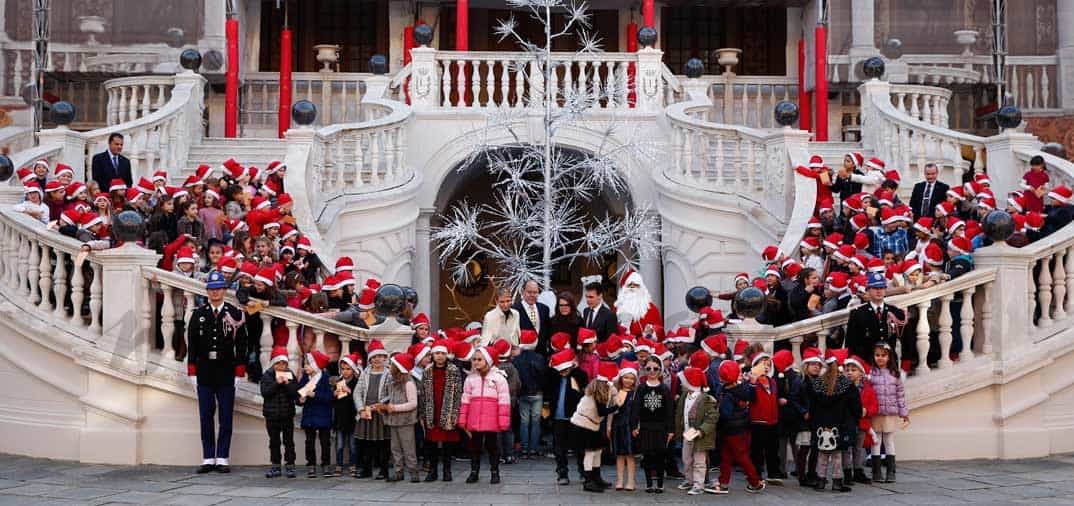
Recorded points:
(734, 428)
(373, 388)
(315, 397)
(857, 370)
(504, 350)
(600, 400)
(344, 415)
(696, 416)
(400, 415)
(764, 415)
(656, 418)
(484, 412)
(625, 427)
(805, 456)
(832, 398)
(441, 386)
(280, 392)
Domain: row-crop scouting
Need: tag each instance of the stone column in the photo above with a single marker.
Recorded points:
(1001, 154)
(651, 268)
(1064, 18)
(400, 14)
(424, 79)
(122, 284)
(1011, 322)
(423, 260)
(863, 32)
(650, 82)
(213, 35)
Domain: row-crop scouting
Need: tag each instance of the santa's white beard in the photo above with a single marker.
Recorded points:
(633, 301)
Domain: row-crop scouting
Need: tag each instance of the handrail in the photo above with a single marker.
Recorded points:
(151, 80)
(299, 317)
(895, 115)
(181, 95)
(524, 56)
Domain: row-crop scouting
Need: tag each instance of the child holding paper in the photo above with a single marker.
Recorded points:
(315, 396)
(280, 391)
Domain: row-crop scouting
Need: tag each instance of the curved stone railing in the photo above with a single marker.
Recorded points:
(749, 100)
(752, 164)
(940, 75)
(337, 95)
(923, 103)
(131, 98)
(909, 143)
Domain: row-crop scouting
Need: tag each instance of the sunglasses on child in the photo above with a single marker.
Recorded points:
(652, 369)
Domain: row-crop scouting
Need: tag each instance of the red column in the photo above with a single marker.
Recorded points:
(285, 82)
(648, 13)
(231, 89)
(462, 25)
(805, 99)
(631, 47)
(408, 44)
(821, 77)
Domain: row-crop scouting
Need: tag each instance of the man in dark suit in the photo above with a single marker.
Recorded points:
(534, 315)
(596, 316)
(216, 357)
(928, 193)
(874, 321)
(111, 164)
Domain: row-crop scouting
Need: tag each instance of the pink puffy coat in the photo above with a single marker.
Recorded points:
(485, 403)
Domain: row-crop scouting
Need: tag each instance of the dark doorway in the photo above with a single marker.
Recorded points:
(360, 27)
(691, 31)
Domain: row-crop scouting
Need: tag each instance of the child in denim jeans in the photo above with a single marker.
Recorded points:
(344, 416)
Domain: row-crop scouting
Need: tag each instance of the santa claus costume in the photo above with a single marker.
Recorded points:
(635, 307)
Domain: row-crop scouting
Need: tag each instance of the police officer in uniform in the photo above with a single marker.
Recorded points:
(216, 343)
(874, 321)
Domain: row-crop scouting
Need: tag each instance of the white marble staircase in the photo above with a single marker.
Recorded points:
(247, 151)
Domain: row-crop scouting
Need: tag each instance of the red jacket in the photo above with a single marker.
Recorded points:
(871, 405)
(764, 410)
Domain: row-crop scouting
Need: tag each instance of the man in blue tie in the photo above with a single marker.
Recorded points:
(111, 164)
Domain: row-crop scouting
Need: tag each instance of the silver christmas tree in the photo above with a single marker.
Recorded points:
(539, 212)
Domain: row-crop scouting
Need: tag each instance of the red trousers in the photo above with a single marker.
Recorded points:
(736, 450)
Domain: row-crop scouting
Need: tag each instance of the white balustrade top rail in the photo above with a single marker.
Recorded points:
(130, 98)
(924, 103)
(337, 95)
(67, 57)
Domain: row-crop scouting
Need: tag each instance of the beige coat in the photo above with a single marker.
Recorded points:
(495, 327)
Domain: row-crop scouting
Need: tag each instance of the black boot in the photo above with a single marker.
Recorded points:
(659, 482)
(591, 484)
(475, 467)
(820, 484)
(848, 476)
(860, 477)
(648, 481)
(495, 478)
(889, 462)
(839, 486)
(430, 463)
(877, 477)
(600, 481)
(273, 472)
(445, 459)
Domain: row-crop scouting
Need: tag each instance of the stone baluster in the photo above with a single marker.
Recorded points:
(96, 291)
(132, 107)
(45, 277)
(374, 157)
(59, 286)
(1031, 91)
(1044, 291)
(359, 161)
(505, 84)
(914, 111)
(520, 82)
(923, 337)
(796, 349)
(326, 103)
(147, 103)
(946, 337)
(1069, 268)
(121, 108)
(822, 340)
(537, 85)
(900, 102)
(148, 318)
(978, 159)
(167, 321)
(16, 71)
(1012, 85)
(318, 343)
(966, 324)
(26, 265)
(294, 342)
(161, 91)
(475, 83)
(1059, 285)
(389, 152)
(265, 339)
(445, 83)
(490, 83)
(986, 320)
(460, 83)
(188, 306)
(113, 107)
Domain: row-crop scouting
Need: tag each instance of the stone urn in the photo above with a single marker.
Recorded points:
(91, 25)
(966, 39)
(327, 54)
(728, 57)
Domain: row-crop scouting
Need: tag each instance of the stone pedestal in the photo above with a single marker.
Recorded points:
(73, 149)
(1005, 169)
(650, 82)
(122, 282)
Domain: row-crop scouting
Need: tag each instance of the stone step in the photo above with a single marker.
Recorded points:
(257, 152)
(833, 152)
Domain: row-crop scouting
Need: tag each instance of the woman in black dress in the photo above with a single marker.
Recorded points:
(655, 425)
(565, 318)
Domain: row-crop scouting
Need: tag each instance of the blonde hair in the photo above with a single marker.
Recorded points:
(600, 391)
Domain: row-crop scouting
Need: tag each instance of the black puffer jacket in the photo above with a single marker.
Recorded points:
(837, 411)
(279, 399)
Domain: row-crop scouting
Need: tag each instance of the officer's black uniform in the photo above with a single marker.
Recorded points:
(216, 344)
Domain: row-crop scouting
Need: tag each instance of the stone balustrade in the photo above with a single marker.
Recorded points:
(337, 95)
(131, 98)
(17, 61)
(923, 103)
(748, 100)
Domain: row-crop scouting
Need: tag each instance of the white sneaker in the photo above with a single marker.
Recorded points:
(695, 490)
(686, 485)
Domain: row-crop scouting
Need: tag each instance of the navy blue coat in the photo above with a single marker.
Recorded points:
(532, 372)
(317, 410)
(792, 414)
(735, 408)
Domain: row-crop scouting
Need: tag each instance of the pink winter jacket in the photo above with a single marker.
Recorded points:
(485, 403)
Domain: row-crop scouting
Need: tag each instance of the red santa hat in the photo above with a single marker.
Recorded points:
(662, 352)
(833, 240)
(909, 267)
(440, 346)
(845, 252)
(501, 348)
(74, 189)
(248, 269)
(53, 186)
(372, 284)
(692, 379)
(1061, 194)
(740, 348)
(233, 168)
(25, 175)
(875, 163)
(89, 219)
(933, 255)
(715, 345)
(287, 231)
(712, 317)
(462, 350)
(607, 371)
(344, 263)
(562, 360)
(160, 175)
(854, 203)
(861, 240)
(32, 187)
(729, 372)
(304, 244)
(271, 188)
(267, 276)
(630, 277)
(274, 166)
(699, 359)
(758, 356)
(811, 355)
(742, 276)
(791, 268)
(838, 282)
(893, 175)
(351, 360)
(982, 179)
(681, 335)
(419, 320)
(814, 222)
(857, 362)
(960, 245)
(318, 360)
(1034, 221)
(586, 336)
(772, 270)
(63, 168)
(203, 172)
(782, 360)
(944, 209)
(560, 341)
(859, 221)
(957, 193)
(279, 354)
(185, 256)
(366, 299)
(859, 260)
(613, 345)
(857, 158)
(628, 367)
(885, 198)
(924, 225)
(284, 199)
(527, 340)
(836, 356)
(404, 362)
(374, 348)
(771, 253)
(987, 203)
(816, 162)
(876, 265)
(953, 224)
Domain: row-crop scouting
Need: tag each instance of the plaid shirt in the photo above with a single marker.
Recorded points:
(882, 242)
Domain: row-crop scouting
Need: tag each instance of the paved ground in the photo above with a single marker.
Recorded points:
(26, 481)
